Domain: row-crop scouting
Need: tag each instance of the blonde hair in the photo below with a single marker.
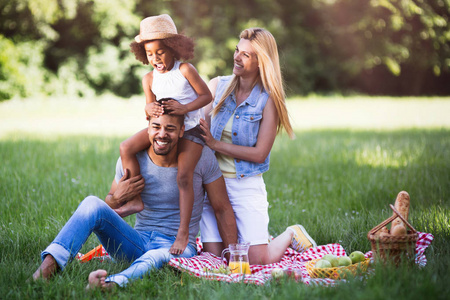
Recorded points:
(266, 51)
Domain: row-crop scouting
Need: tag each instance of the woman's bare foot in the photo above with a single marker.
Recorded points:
(47, 269)
(97, 280)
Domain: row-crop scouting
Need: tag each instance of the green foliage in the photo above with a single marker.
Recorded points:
(417, 32)
(11, 79)
(376, 47)
(108, 69)
(20, 68)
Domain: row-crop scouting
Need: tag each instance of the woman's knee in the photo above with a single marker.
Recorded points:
(259, 255)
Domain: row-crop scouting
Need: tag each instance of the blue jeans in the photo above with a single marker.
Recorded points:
(148, 249)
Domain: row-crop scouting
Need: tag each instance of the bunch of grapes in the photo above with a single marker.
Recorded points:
(220, 270)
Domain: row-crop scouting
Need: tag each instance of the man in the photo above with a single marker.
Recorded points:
(148, 243)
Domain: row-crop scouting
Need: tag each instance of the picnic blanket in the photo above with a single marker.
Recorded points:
(292, 262)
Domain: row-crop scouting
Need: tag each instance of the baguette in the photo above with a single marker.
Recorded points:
(398, 230)
(402, 206)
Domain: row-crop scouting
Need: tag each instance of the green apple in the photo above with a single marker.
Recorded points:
(334, 261)
(344, 261)
(321, 264)
(357, 256)
(277, 273)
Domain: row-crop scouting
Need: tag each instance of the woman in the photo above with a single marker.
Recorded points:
(248, 111)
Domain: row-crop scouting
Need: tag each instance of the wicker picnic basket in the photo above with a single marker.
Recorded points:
(337, 272)
(393, 248)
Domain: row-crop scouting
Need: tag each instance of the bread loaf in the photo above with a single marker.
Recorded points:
(402, 206)
(399, 229)
(384, 232)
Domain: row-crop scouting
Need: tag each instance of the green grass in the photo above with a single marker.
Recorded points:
(338, 183)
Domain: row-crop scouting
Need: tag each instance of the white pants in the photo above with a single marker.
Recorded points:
(248, 198)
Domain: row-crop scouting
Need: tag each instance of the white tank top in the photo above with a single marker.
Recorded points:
(174, 85)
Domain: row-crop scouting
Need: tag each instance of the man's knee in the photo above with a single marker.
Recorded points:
(92, 204)
(92, 200)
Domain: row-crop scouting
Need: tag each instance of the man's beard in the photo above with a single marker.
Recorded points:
(162, 151)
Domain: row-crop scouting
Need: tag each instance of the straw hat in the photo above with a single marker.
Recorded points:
(156, 28)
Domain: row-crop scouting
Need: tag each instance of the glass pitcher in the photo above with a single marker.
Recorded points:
(238, 258)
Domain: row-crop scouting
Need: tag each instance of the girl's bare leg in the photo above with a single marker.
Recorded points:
(128, 150)
(214, 248)
(188, 156)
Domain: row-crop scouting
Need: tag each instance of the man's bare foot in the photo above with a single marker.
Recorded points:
(97, 280)
(47, 269)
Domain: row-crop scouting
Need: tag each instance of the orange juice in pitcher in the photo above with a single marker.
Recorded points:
(240, 267)
(238, 258)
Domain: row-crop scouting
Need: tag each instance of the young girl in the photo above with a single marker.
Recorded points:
(176, 88)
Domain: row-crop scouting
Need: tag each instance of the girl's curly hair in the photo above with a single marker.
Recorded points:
(181, 46)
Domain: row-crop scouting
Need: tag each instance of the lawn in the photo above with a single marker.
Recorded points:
(350, 158)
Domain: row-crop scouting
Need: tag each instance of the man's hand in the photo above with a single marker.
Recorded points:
(180, 244)
(125, 190)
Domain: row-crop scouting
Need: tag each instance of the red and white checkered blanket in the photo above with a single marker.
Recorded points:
(291, 261)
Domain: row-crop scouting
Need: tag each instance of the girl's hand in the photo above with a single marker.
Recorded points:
(153, 109)
(209, 140)
(174, 107)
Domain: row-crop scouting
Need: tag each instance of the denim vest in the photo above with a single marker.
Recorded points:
(246, 122)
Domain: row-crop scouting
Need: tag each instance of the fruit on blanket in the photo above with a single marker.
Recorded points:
(219, 270)
(357, 256)
(277, 273)
(333, 259)
(344, 261)
(321, 264)
(295, 274)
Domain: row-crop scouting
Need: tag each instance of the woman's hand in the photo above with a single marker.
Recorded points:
(174, 107)
(153, 109)
(209, 140)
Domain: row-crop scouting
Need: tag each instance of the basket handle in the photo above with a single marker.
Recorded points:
(382, 224)
(392, 218)
(403, 219)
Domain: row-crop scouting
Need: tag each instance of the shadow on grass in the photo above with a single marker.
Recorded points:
(337, 183)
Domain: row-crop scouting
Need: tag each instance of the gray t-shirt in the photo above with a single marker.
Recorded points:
(161, 196)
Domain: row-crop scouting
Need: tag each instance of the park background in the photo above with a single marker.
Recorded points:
(81, 47)
(368, 96)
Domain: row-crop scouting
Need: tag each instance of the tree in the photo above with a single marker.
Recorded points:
(81, 47)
